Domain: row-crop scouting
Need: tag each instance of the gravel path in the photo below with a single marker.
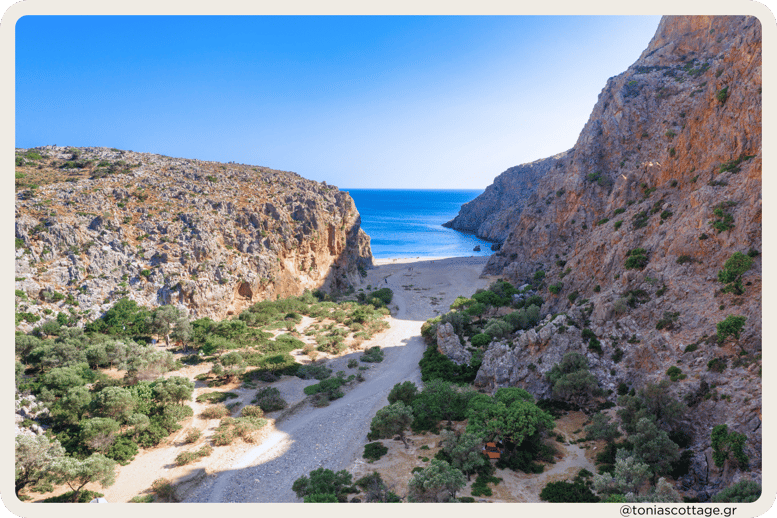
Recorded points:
(334, 436)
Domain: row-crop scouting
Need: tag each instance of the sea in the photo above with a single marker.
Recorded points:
(408, 223)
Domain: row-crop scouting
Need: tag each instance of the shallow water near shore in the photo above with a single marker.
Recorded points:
(408, 223)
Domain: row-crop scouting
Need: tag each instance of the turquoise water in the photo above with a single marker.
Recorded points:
(408, 223)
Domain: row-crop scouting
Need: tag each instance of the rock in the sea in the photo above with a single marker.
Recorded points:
(448, 343)
(476, 249)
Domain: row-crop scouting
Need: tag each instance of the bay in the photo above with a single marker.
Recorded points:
(405, 223)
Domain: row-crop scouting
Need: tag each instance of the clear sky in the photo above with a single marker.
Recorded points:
(361, 102)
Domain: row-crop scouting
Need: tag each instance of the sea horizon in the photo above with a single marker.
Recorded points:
(406, 223)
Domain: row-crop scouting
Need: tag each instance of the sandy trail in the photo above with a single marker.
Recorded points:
(334, 436)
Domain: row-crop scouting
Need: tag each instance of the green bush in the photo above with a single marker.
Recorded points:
(723, 219)
(374, 451)
(555, 288)
(716, 365)
(675, 373)
(269, 399)
(743, 491)
(731, 326)
(563, 491)
(372, 355)
(727, 445)
(636, 259)
(480, 340)
(722, 95)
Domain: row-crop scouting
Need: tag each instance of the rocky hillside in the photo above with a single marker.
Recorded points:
(96, 224)
(492, 214)
(632, 226)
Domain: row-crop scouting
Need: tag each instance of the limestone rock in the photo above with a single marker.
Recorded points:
(212, 238)
(448, 343)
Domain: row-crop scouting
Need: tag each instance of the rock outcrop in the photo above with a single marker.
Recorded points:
(95, 224)
(448, 343)
(634, 223)
(492, 214)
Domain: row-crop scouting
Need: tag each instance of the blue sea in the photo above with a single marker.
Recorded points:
(408, 223)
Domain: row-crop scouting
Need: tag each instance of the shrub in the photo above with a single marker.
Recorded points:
(319, 372)
(640, 220)
(734, 268)
(685, 258)
(723, 219)
(555, 288)
(269, 399)
(742, 492)
(636, 259)
(716, 365)
(215, 397)
(372, 355)
(353, 363)
(215, 412)
(727, 445)
(480, 340)
(722, 95)
(668, 320)
(563, 491)
(675, 373)
(732, 325)
(192, 436)
(374, 451)
(164, 489)
(252, 411)
(405, 392)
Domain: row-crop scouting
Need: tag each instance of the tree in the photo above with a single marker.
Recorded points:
(438, 482)
(77, 473)
(628, 476)
(655, 401)
(125, 317)
(465, 451)
(441, 400)
(99, 433)
(392, 420)
(405, 392)
(602, 427)
(572, 381)
(76, 402)
(175, 389)
(165, 319)
(726, 445)
(653, 446)
(491, 419)
(115, 402)
(323, 482)
(25, 344)
(34, 455)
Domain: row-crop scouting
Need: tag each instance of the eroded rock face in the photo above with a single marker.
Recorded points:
(448, 343)
(669, 162)
(214, 238)
(492, 214)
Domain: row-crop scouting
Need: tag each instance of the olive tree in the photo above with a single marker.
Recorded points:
(77, 473)
(465, 451)
(392, 420)
(438, 482)
(34, 455)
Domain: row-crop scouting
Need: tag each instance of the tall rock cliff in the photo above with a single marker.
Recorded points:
(633, 225)
(492, 214)
(97, 224)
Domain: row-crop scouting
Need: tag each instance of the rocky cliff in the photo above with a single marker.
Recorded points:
(97, 224)
(492, 214)
(632, 226)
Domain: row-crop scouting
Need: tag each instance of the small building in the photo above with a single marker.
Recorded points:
(493, 451)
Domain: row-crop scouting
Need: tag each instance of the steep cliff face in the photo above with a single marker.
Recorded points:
(97, 224)
(670, 163)
(492, 214)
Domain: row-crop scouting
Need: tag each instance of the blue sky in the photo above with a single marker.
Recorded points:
(361, 102)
